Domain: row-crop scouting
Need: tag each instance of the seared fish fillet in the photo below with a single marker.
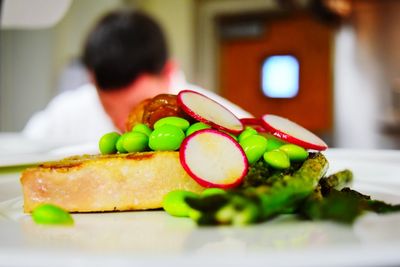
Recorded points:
(135, 181)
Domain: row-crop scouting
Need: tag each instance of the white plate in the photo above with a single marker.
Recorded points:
(154, 238)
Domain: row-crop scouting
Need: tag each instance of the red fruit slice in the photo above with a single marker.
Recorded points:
(208, 111)
(213, 159)
(291, 132)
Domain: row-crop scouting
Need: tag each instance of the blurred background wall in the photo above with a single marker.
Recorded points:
(363, 70)
(32, 60)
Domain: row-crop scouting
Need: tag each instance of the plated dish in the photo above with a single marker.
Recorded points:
(194, 158)
(134, 236)
(155, 237)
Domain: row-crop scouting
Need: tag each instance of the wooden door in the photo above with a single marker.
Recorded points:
(309, 41)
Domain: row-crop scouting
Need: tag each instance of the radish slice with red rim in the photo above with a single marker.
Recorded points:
(251, 121)
(208, 111)
(213, 159)
(292, 132)
(255, 123)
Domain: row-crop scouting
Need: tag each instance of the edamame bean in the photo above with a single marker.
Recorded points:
(212, 191)
(196, 127)
(135, 142)
(274, 143)
(246, 133)
(166, 137)
(174, 203)
(277, 159)
(120, 144)
(294, 152)
(175, 121)
(107, 143)
(254, 147)
(51, 214)
(142, 128)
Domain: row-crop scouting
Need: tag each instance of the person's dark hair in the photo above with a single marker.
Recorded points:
(123, 45)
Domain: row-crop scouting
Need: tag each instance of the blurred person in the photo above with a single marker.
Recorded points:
(72, 76)
(127, 59)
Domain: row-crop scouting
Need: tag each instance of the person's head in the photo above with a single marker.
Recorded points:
(123, 45)
(127, 57)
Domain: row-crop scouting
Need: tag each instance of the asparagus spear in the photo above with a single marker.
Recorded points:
(343, 206)
(337, 181)
(300, 190)
(371, 204)
(287, 192)
(252, 204)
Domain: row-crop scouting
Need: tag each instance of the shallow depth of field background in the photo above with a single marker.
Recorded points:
(363, 60)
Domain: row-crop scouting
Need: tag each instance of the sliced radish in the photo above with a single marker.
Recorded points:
(251, 121)
(255, 123)
(213, 159)
(208, 111)
(291, 132)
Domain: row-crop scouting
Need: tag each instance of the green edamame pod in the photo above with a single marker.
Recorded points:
(196, 127)
(142, 128)
(274, 143)
(277, 159)
(166, 137)
(246, 133)
(254, 147)
(175, 205)
(212, 191)
(107, 143)
(120, 144)
(294, 152)
(51, 214)
(135, 142)
(175, 121)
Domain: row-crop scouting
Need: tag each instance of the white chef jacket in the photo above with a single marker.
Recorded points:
(77, 116)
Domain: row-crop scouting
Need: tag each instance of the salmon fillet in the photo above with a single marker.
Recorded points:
(118, 182)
